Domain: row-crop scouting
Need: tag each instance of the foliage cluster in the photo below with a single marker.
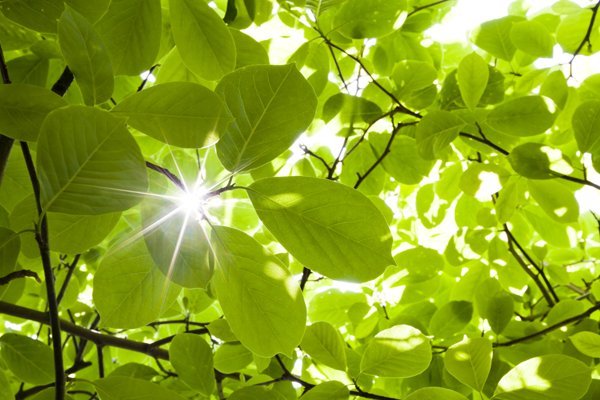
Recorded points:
(377, 217)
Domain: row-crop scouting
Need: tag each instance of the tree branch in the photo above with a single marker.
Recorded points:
(170, 176)
(5, 142)
(22, 273)
(586, 38)
(426, 6)
(61, 86)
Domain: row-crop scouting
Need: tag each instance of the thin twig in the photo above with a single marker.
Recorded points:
(426, 6)
(150, 71)
(586, 38)
(170, 176)
(22, 273)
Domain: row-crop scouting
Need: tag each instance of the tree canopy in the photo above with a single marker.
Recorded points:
(273, 200)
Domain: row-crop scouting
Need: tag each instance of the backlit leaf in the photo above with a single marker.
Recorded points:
(470, 361)
(523, 116)
(472, 77)
(436, 131)
(192, 358)
(30, 360)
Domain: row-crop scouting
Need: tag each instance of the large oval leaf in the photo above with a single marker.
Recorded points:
(262, 303)
(330, 228)
(470, 361)
(586, 125)
(126, 388)
(472, 77)
(23, 109)
(204, 41)
(548, 377)
(400, 351)
(523, 116)
(451, 318)
(129, 291)
(192, 358)
(494, 37)
(436, 131)
(181, 114)
(30, 360)
(325, 344)
(88, 163)
(556, 199)
(131, 32)
(587, 343)
(261, 99)
(332, 390)
(86, 56)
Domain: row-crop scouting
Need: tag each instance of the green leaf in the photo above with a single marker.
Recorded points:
(30, 360)
(436, 131)
(135, 370)
(403, 162)
(248, 50)
(232, 357)
(472, 77)
(178, 245)
(533, 38)
(494, 37)
(23, 109)
(538, 161)
(261, 99)
(182, 114)
(192, 359)
(131, 32)
(495, 304)
(435, 393)
(75, 143)
(5, 388)
(254, 393)
(125, 388)
(470, 361)
(410, 76)
(573, 28)
(325, 344)
(400, 351)
(261, 301)
(368, 18)
(48, 394)
(129, 291)
(586, 124)
(39, 15)
(548, 377)
(86, 56)
(421, 263)
(556, 199)
(10, 245)
(451, 318)
(587, 343)
(315, 220)
(91, 10)
(332, 390)
(555, 87)
(510, 197)
(204, 41)
(523, 116)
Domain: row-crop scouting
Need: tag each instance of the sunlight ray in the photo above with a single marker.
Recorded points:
(177, 246)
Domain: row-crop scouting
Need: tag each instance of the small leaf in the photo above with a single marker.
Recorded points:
(192, 359)
(400, 351)
(586, 125)
(472, 77)
(470, 361)
(125, 388)
(75, 143)
(548, 377)
(325, 344)
(494, 37)
(316, 221)
(232, 357)
(332, 390)
(533, 38)
(260, 300)
(538, 161)
(23, 109)
(436, 131)
(587, 343)
(260, 98)
(181, 114)
(573, 28)
(30, 360)
(411, 75)
(523, 116)
(129, 291)
(204, 41)
(86, 57)
(403, 162)
(451, 318)
(434, 393)
(131, 32)
(556, 199)
(368, 18)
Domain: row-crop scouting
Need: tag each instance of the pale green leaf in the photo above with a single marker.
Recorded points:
(400, 351)
(86, 56)
(232, 357)
(586, 125)
(587, 343)
(316, 221)
(5, 389)
(260, 99)
(254, 393)
(30, 360)
(434, 393)
(555, 87)
(23, 109)
(556, 199)
(368, 18)
(563, 310)
(204, 41)
(248, 50)
(325, 344)
(125, 388)
(494, 37)
(548, 377)
(75, 144)
(134, 370)
(523, 116)
(470, 361)
(131, 33)
(403, 162)
(192, 359)
(533, 38)
(411, 75)
(260, 300)
(472, 77)
(182, 114)
(129, 291)
(573, 28)
(510, 197)
(332, 390)
(451, 318)
(538, 161)
(436, 131)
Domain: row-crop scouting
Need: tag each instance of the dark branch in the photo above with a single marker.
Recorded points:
(5, 142)
(63, 83)
(426, 6)
(586, 39)
(170, 176)
(22, 273)
(484, 141)
(143, 84)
